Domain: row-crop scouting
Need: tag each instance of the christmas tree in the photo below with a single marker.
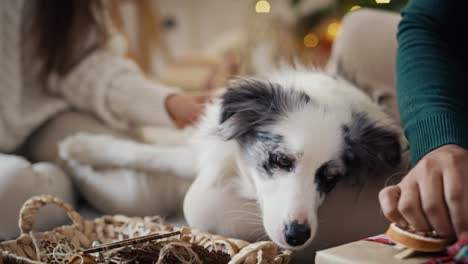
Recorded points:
(339, 8)
(305, 30)
(317, 30)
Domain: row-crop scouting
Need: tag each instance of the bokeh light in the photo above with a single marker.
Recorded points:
(333, 30)
(311, 40)
(262, 6)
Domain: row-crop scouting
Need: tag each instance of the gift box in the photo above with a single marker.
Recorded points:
(377, 249)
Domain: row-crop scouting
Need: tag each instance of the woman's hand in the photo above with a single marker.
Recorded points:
(185, 109)
(434, 194)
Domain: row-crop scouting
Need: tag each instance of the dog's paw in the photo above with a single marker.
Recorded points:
(83, 146)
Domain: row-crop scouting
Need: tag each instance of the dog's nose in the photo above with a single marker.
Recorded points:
(296, 234)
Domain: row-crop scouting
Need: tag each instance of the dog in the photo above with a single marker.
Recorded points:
(292, 138)
(285, 142)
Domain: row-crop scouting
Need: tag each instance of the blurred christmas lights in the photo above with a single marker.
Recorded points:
(333, 30)
(382, 1)
(262, 6)
(311, 40)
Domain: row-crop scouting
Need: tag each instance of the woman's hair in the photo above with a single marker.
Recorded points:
(61, 31)
(149, 38)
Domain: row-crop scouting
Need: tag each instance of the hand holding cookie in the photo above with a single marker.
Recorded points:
(434, 194)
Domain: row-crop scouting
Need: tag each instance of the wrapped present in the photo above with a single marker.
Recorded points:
(378, 249)
(457, 253)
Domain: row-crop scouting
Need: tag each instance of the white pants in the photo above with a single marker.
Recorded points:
(349, 213)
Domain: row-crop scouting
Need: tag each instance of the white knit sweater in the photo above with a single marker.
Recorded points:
(104, 83)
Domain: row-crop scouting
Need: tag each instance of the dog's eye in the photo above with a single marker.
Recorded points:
(282, 161)
(330, 176)
(331, 180)
(327, 178)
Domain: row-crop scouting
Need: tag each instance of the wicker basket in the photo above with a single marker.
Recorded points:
(35, 247)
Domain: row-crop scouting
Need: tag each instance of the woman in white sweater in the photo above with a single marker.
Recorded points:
(62, 71)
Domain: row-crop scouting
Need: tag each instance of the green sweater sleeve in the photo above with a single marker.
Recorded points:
(431, 75)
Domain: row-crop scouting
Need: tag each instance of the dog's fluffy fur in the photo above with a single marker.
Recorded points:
(287, 140)
(291, 139)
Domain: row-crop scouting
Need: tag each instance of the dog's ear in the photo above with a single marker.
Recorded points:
(369, 147)
(250, 104)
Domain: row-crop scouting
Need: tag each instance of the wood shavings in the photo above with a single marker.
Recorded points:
(250, 254)
(65, 244)
(154, 249)
(169, 252)
(133, 241)
(55, 252)
(82, 259)
(181, 252)
(217, 243)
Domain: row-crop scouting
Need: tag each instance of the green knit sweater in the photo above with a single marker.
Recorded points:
(432, 68)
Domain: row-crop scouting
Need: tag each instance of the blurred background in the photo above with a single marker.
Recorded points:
(197, 45)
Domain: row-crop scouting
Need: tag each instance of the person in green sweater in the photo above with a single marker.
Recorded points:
(431, 74)
(424, 54)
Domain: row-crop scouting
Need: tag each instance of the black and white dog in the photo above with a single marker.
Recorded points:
(285, 142)
(291, 139)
